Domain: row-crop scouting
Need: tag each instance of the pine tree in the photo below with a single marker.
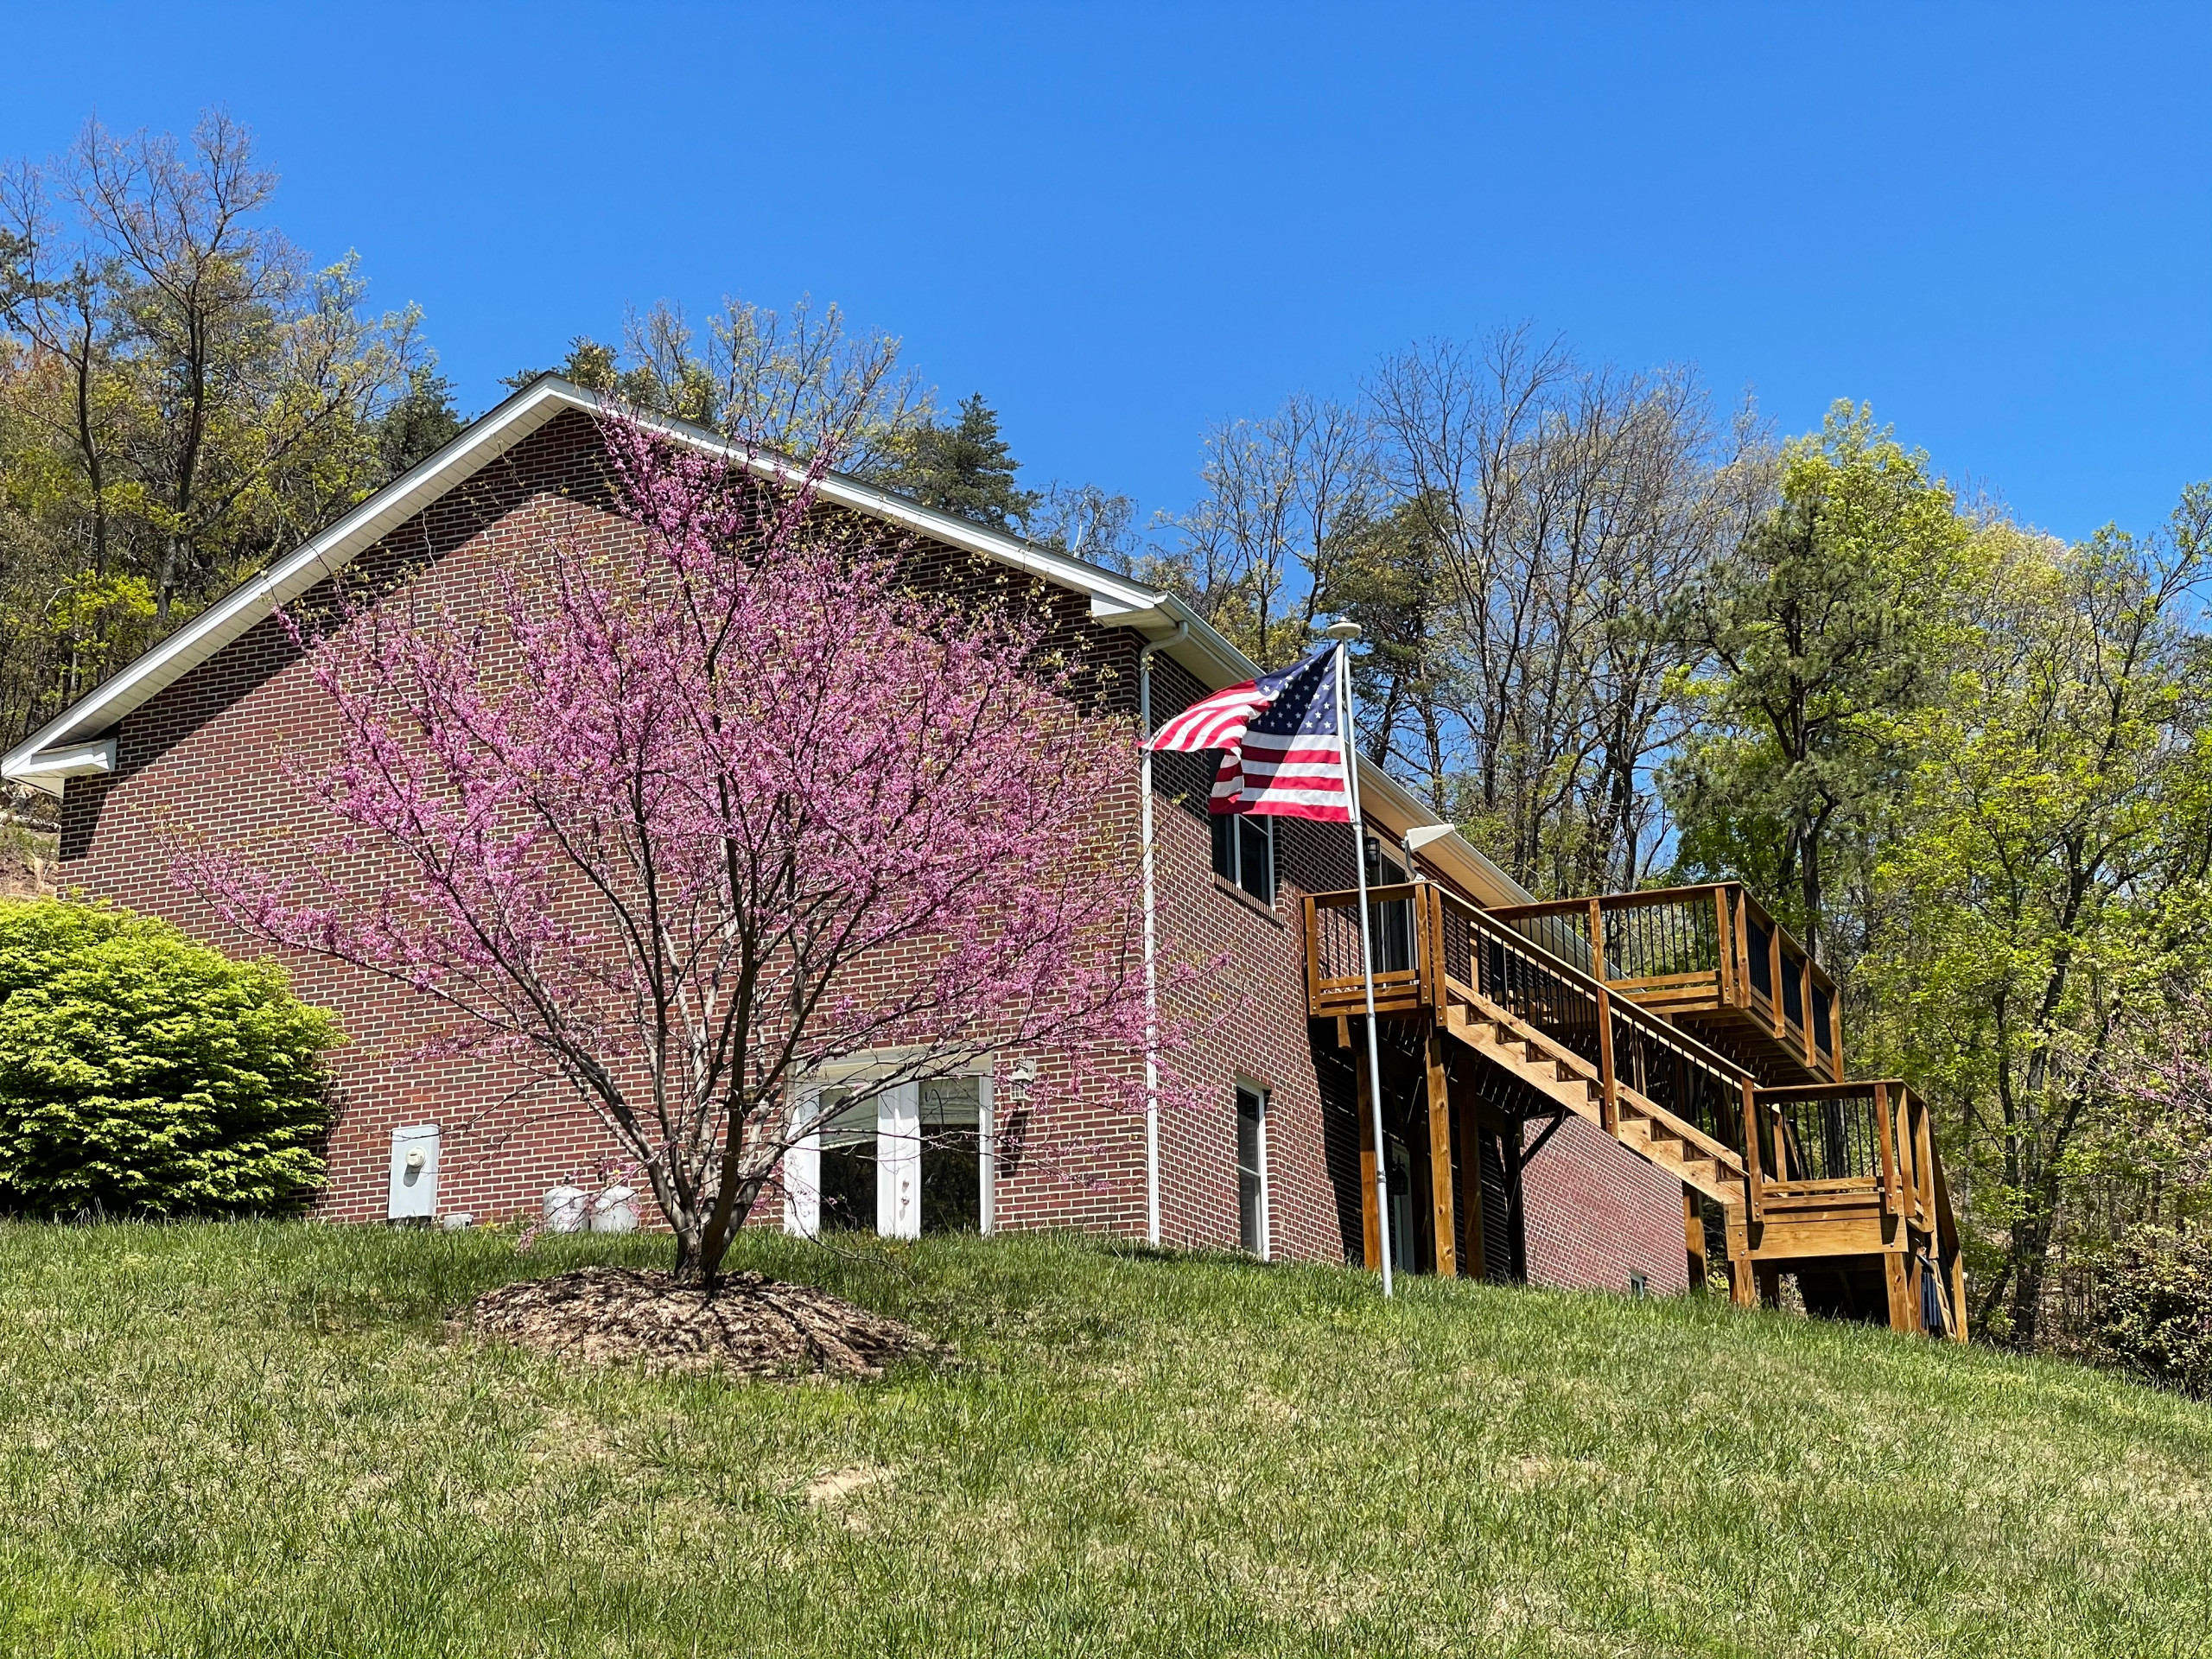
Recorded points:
(963, 467)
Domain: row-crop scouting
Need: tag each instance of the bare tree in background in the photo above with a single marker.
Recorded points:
(1281, 495)
(253, 356)
(182, 396)
(1089, 523)
(781, 380)
(1560, 505)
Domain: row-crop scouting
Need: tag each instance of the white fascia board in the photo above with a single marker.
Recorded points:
(1202, 649)
(1152, 611)
(483, 441)
(1402, 810)
(1110, 594)
(46, 769)
(297, 573)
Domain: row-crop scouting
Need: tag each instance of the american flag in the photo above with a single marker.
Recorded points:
(1283, 738)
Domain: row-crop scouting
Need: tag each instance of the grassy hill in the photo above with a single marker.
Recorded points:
(261, 1439)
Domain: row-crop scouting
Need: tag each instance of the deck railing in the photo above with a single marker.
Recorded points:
(1808, 1145)
(1825, 1142)
(1837, 1167)
(1691, 950)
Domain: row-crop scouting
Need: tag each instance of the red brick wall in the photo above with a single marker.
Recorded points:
(1596, 1212)
(201, 759)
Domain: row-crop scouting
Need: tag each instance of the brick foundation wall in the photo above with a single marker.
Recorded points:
(1596, 1212)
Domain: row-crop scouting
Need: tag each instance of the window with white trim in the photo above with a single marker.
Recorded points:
(1244, 852)
(1252, 1169)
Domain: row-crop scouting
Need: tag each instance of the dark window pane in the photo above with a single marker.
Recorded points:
(952, 1178)
(1224, 848)
(953, 1183)
(1250, 1212)
(848, 1186)
(1258, 876)
(1383, 870)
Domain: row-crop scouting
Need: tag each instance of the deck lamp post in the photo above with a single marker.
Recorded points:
(1344, 632)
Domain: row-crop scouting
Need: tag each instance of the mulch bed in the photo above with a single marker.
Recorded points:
(752, 1326)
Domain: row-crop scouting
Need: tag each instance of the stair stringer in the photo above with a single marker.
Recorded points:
(1558, 1073)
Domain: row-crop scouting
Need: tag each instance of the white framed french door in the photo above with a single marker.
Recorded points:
(913, 1158)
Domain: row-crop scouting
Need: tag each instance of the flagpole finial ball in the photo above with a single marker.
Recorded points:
(1341, 629)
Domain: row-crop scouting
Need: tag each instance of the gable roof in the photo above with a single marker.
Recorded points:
(79, 741)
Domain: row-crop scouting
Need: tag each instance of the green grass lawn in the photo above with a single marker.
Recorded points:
(261, 1439)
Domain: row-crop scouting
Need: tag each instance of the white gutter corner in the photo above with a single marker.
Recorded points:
(47, 770)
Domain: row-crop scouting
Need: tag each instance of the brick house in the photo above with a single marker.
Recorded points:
(1495, 1166)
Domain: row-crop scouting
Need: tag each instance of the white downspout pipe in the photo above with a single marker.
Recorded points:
(1151, 948)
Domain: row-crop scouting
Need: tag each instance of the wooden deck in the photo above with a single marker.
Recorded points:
(1839, 1182)
(1713, 961)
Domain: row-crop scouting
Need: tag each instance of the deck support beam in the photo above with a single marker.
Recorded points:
(1443, 1226)
(1905, 1312)
(1476, 1263)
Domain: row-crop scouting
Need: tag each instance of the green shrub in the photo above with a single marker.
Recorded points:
(141, 1074)
(2154, 1315)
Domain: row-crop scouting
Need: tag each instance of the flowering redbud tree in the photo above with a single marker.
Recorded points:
(682, 816)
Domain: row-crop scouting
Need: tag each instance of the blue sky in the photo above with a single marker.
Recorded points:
(1122, 223)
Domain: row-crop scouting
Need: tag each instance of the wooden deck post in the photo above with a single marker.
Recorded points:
(1475, 1264)
(1805, 1006)
(1743, 923)
(1903, 1315)
(1724, 949)
(1742, 1283)
(1694, 1238)
(1369, 1219)
(1440, 1156)
(1609, 1100)
(1773, 976)
(1313, 958)
(1886, 1128)
(1754, 1198)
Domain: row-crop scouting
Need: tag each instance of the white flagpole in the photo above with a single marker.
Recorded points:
(1344, 633)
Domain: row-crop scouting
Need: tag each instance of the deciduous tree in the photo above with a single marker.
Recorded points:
(1813, 638)
(684, 823)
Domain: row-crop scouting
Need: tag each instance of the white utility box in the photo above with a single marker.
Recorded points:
(414, 1173)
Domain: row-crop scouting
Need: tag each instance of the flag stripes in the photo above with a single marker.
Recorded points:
(1282, 736)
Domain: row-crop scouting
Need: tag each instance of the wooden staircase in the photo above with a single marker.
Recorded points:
(1558, 1074)
(1838, 1181)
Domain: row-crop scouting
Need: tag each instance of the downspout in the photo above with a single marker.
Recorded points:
(1151, 949)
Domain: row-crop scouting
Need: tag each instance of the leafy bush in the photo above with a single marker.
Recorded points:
(146, 1075)
(2155, 1318)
